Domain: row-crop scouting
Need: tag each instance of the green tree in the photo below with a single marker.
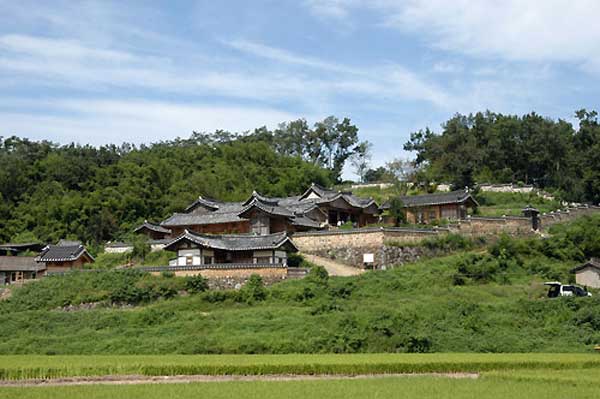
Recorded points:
(141, 248)
(397, 211)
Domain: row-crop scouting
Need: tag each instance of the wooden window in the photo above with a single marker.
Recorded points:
(432, 214)
(260, 224)
(189, 260)
(208, 260)
(263, 259)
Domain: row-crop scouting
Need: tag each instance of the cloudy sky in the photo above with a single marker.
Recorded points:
(102, 72)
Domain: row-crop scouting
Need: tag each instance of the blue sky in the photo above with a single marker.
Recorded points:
(137, 71)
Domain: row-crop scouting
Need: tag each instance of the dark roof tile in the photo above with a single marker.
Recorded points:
(20, 264)
(57, 253)
(235, 242)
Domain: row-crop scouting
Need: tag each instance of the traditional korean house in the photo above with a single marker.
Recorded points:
(17, 269)
(154, 231)
(203, 249)
(588, 274)
(424, 209)
(317, 208)
(61, 258)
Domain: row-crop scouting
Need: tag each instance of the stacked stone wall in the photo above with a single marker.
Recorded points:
(349, 246)
(234, 278)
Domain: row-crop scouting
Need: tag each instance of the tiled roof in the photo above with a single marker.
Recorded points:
(14, 247)
(290, 207)
(305, 222)
(20, 264)
(452, 197)
(186, 219)
(267, 207)
(203, 202)
(152, 227)
(593, 263)
(235, 242)
(57, 253)
(68, 243)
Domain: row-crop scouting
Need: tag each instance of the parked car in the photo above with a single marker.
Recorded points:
(557, 289)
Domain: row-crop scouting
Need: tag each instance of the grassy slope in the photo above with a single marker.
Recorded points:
(466, 302)
(414, 308)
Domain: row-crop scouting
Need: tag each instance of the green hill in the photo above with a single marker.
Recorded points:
(488, 300)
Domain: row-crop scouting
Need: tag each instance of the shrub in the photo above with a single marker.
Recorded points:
(318, 275)
(195, 284)
(141, 248)
(294, 260)
(448, 242)
(254, 290)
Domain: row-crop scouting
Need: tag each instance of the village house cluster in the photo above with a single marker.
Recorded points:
(212, 237)
(64, 256)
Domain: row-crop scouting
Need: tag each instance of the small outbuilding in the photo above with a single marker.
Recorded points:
(426, 208)
(61, 258)
(588, 274)
(17, 269)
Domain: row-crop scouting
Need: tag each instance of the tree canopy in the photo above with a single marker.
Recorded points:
(495, 148)
(50, 191)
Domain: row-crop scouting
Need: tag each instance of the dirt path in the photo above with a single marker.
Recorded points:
(333, 268)
(179, 379)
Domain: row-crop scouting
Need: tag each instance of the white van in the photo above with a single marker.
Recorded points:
(557, 289)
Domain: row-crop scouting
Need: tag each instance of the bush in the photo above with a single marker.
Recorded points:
(448, 242)
(254, 290)
(294, 260)
(141, 248)
(318, 275)
(478, 268)
(196, 284)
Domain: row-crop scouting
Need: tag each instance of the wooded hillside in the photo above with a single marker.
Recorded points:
(50, 191)
(495, 148)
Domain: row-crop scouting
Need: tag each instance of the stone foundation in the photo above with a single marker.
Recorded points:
(234, 278)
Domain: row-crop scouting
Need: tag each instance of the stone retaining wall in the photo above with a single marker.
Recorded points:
(349, 246)
(234, 278)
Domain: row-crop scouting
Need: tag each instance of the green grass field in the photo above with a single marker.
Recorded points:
(502, 376)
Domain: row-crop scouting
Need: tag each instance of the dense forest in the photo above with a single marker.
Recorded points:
(496, 148)
(50, 191)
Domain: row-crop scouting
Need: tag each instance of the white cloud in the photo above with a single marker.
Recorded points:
(515, 30)
(72, 64)
(385, 80)
(101, 121)
(330, 8)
